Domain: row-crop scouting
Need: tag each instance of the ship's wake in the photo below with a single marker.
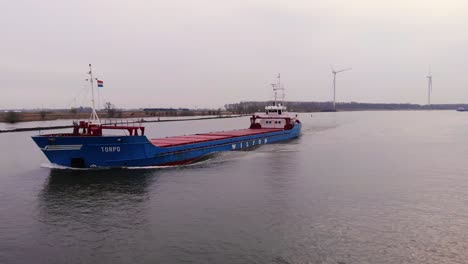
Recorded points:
(60, 167)
(203, 161)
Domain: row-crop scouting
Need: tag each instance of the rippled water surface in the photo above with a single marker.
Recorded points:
(357, 187)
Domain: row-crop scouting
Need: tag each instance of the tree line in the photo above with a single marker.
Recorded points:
(294, 106)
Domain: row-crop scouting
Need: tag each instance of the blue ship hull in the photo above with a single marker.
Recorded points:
(138, 151)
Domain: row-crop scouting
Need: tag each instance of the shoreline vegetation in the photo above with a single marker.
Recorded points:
(308, 107)
(23, 129)
(15, 116)
(242, 108)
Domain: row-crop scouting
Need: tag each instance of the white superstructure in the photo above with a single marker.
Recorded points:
(275, 115)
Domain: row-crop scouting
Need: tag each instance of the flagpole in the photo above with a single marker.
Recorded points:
(94, 116)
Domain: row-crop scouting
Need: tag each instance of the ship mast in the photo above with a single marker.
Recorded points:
(277, 86)
(94, 117)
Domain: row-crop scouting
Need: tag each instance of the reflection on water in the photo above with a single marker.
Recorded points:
(92, 194)
(85, 207)
(100, 184)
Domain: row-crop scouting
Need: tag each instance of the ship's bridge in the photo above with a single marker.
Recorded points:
(275, 109)
(275, 116)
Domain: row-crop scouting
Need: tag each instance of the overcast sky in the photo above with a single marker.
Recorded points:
(207, 53)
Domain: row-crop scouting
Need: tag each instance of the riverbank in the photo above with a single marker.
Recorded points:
(77, 114)
(23, 129)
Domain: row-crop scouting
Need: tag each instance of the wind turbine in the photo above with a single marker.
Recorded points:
(429, 87)
(334, 83)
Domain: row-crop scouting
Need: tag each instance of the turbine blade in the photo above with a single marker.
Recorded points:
(347, 69)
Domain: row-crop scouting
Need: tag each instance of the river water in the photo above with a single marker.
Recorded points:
(356, 187)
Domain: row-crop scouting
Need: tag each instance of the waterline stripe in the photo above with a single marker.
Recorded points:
(62, 147)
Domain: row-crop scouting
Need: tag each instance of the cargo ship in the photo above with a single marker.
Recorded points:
(87, 146)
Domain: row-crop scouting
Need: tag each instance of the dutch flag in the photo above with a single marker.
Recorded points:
(100, 83)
